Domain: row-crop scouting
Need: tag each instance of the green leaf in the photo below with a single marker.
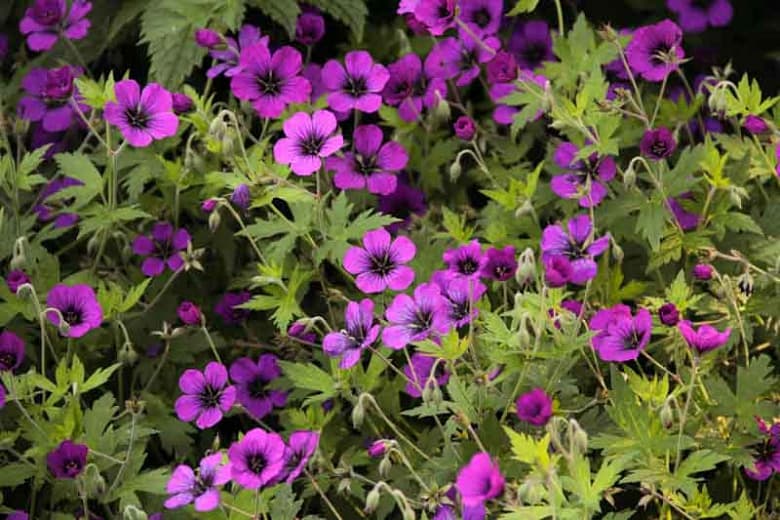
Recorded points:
(99, 377)
(283, 12)
(16, 473)
(523, 6)
(134, 295)
(78, 166)
(284, 506)
(351, 13)
(651, 222)
(309, 377)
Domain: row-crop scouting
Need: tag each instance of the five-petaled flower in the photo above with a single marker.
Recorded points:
(379, 264)
(142, 116)
(206, 395)
(308, 140)
(360, 332)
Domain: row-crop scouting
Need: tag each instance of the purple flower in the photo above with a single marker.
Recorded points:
(585, 180)
(357, 84)
(17, 515)
(251, 379)
(360, 333)
(16, 279)
(480, 480)
(420, 373)
(445, 512)
(48, 99)
(504, 114)
(461, 295)
(67, 460)
(372, 165)
(299, 449)
(695, 15)
(415, 319)
(301, 332)
(557, 270)
(208, 205)
(572, 306)
(189, 313)
(310, 28)
(459, 58)
(202, 489)
(531, 44)
(484, 14)
(534, 407)
(575, 246)
(270, 81)
(655, 50)
(228, 307)
(703, 339)
(181, 103)
(47, 19)
(702, 272)
(45, 208)
(11, 351)
(313, 73)
(465, 128)
(668, 314)
(77, 305)
(379, 264)
(402, 203)
(500, 264)
(755, 125)
(502, 68)
(226, 58)
(207, 395)
(766, 458)
(241, 197)
(257, 460)
(162, 248)
(308, 139)
(436, 15)
(142, 116)
(410, 88)
(621, 336)
(377, 448)
(466, 260)
(685, 219)
(207, 38)
(657, 144)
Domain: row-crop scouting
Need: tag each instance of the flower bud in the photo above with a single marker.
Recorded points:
(465, 128)
(442, 110)
(241, 197)
(372, 499)
(343, 486)
(407, 513)
(629, 176)
(214, 220)
(455, 169)
(133, 513)
(189, 313)
(666, 414)
(526, 267)
(579, 437)
(16, 279)
(702, 272)
(525, 209)
(217, 128)
(617, 252)
(208, 205)
(668, 314)
(227, 143)
(207, 38)
(127, 354)
(377, 448)
(385, 466)
(182, 103)
(358, 414)
(19, 258)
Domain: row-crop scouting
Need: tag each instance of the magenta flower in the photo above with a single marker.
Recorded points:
(502, 68)
(655, 51)
(207, 395)
(577, 247)
(163, 248)
(465, 128)
(308, 139)
(755, 125)
(77, 305)
(17, 515)
(702, 272)
(3, 47)
(270, 81)
(766, 454)
(377, 448)
(48, 100)
(480, 480)
(461, 294)
(67, 460)
(416, 318)
(534, 407)
(252, 384)
(460, 58)
(466, 260)
(703, 339)
(500, 264)
(228, 307)
(16, 279)
(189, 313)
(257, 460)
(483, 14)
(436, 15)
(310, 28)
(531, 44)
(410, 88)
(241, 197)
(402, 204)
(379, 264)
(357, 84)
(207, 38)
(420, 373)
(668, 314)
(621, 336)
(142, 116)
(11, 351)
(360, 333)
(301, 332)
(373, 164)
(226, 57)
(46, 20)
(657, 144)
(299, 449)
(585, 180)
(686, 219)
(181, 103)
(557, 270)
(695, 15)
(203, 489)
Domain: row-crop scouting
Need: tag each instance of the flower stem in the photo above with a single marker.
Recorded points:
(686, 407)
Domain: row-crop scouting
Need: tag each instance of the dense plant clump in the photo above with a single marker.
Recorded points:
(479, 260)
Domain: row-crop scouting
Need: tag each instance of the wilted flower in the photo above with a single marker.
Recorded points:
(300, 447)
(228, 307)
(655, 50)
(657, 144)
(372, 166)
(202, 489)
(78, 306)
(49, 97)
(379, 264)
(534, 407)
(241, 197)
(252, 379)
(480, 480)
(181, 103)
(189, 313)
(575, 248)
(162, 248)
(415, 319)
(142, 116)
(420, 374)
(585, 180)
(46, 20)
(705, 338)
(11, 351)
(257, 460)
(16, 279)
(310, 28)
(308, 139)
(207, 395)
(695, 15)
(621, 336)
(360, 333)
(301, 332)
(702, 272)
(668, 314)
(355, 85)
(465, 128)
(67, 460)
(531, 44)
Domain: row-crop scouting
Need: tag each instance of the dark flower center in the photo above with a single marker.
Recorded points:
(365, 165)
(481, 17)
(7, 360)
(209, 397)
(662, 54)
(486, 486)
(356, 86)
(467, 266)
(423, 320)
(659, 148)
(534, 53)
(72, 467)
(137, 118)
(269, 84)
(312, 144)
(442, 11)
(382, 265)
(500, 271)
(632, 341)
(293, 460)
(72, 315)
(702, 4)
(256, 463)
(459, 310)
(256, 388)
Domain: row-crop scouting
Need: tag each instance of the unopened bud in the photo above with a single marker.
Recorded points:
(133, 513)
(214, 221)
(407, 513)
(436, 395)
(385, 465)
(579, 437)
(217, 128)
(227, 143)
(63, 327)
(127, 354)
(372, 499)
(455, 169)
(358, 414)
(442, 110)
(666, 414)
(19, 259)
(617, 252)
(525, 209)
(526, 267)
(629, 176)
(343, 486)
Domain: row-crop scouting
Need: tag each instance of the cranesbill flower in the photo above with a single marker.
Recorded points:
(755, 125)
(695, 15)
(207, 38)
(300, 447)
(203, 489)
(46, 20)
(702, 272)
(502, 68)
(621, 336)
(228, 307)
(483, 14)
(189, 313)
(531, 44)
(67, 460)
(252, 379)
(226, 58)
(534, 407)
(655, 51)
(584, 179)
(45, 208)
(668, 314)
(162, 248)
(402, 203)
(500, 264)
(436, 15)
(687, 220)
(207, 395)
(11, 351)
(77, 305)
(270, 81)
(379, 264)
(301, 332)
(410, 88)
(420, 373)
(445, 512)
(181, 103)
(766, 454)
(357, 84)
(657, 144)
(459, 58)
(576, 246)
(142, 116)
(465, 128)
(310, 28)
(466, 260)
(49, 97)
(308, 139)
(557, 270)
(257, 460)
(241, 197)
(703, 339)
(416, 318)
(16, 279)
(373, 164)
(461, 294)
(480, 480)
(360, 332)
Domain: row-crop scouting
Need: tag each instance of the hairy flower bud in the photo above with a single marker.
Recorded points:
(579, 437)
(666, 414)
(358, 414)
(629, 176)
(127, 354)
(385, 466)
(214, 220)
(526, 267)
(372, 499)
(455, 169)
